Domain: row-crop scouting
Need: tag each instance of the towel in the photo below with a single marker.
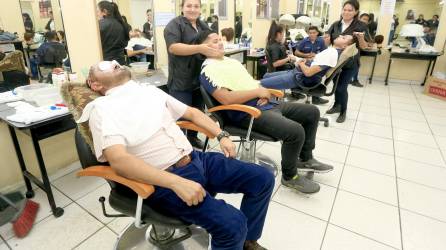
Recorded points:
(228, 73)
(31, 115)
(9, 96)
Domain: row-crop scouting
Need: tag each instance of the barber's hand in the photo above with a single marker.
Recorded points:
(189, 191)
(263, 93)
(359, 34)
(262, 102)
(210, 52)
(227, 147)
(327, 39)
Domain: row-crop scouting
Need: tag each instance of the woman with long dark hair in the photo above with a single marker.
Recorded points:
(349, 24)
(183, 53)
(276, 49)
(114, 34)
(29, 26)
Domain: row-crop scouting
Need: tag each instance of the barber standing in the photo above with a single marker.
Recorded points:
(348, 25)
(184, 58)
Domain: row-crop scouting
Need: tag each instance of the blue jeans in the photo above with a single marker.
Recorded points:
(281, 79)
(228, 226)
(355, 73)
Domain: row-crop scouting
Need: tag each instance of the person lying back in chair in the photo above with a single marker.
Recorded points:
(308, 73)
(295, 124)
(134, 129)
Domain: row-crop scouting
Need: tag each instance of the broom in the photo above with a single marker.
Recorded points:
(21, 213)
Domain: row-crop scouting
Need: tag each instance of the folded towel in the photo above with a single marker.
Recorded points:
(37, 114)
(9, 96)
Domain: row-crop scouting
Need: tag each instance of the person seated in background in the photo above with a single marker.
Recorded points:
(138, 46)
(308, 72)
(61, 37)
(227, 35)
(429, 35)
(433, 23)
(280, 59)
(421, 21)
(152, 149)
(308, 48)
(33, 40)
(228, 81)
(51, 52)
(365, 18)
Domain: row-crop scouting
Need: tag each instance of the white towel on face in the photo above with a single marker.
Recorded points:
(9, 96)
(37, 114)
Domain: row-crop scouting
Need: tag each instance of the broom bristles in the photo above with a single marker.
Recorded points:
(24, 222)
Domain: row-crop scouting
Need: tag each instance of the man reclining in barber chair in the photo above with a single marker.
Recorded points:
(134, 129)
(293, 123)
(308, 73)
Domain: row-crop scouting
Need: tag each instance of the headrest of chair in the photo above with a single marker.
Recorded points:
(77, 96)
(348, 53)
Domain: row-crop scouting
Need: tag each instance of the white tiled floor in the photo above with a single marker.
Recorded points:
(388, 189)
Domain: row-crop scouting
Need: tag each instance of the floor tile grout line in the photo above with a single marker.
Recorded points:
(88, 237)
(3, 241)
(423, 215)
(361, 235)
(396, 181)
(404, 179)
(432, 132)
(340, 177)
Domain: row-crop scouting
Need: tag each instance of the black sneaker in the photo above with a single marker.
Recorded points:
(313, 165)
(317, 100)
(341, 118)
(301, 184)
(196, 143)
(298, 95)
(334, 109)
(356, 83)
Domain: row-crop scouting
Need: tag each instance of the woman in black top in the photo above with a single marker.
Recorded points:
(183, 55)
(29, 26)
(348, 25)
(114, 34)
(276, 49)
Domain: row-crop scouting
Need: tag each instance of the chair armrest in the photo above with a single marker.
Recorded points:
(277, 93)
(192, 126)
(143, 190)
(254, 112)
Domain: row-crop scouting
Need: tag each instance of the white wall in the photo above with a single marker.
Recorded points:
(138, 10)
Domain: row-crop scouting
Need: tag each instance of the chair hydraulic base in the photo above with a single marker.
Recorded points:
(156, 237)
(247, 153)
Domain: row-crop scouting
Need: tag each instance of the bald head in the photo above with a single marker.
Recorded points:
(107, 75)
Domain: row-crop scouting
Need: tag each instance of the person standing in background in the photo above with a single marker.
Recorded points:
(114, 34)
(349, 24)
(433, 23)
(421, 21)
(372, 25)
(238, 28)
(50, 24)
(214, 25)
(147, 28)
(29, 26)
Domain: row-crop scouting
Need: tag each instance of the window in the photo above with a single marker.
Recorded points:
(262, 8)
(301, 7)
(222, 11)
(274, 9)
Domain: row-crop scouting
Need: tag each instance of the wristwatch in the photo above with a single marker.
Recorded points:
(222, 134)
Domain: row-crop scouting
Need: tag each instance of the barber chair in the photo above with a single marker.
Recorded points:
(320, 89)
(150, 229)
(248, 137)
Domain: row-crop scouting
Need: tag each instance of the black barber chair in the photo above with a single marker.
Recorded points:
(126, 196)
(248, 137)
(320, 89)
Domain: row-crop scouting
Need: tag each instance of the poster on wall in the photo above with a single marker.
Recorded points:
(44, 8)
(163, 18)
(387, 7)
